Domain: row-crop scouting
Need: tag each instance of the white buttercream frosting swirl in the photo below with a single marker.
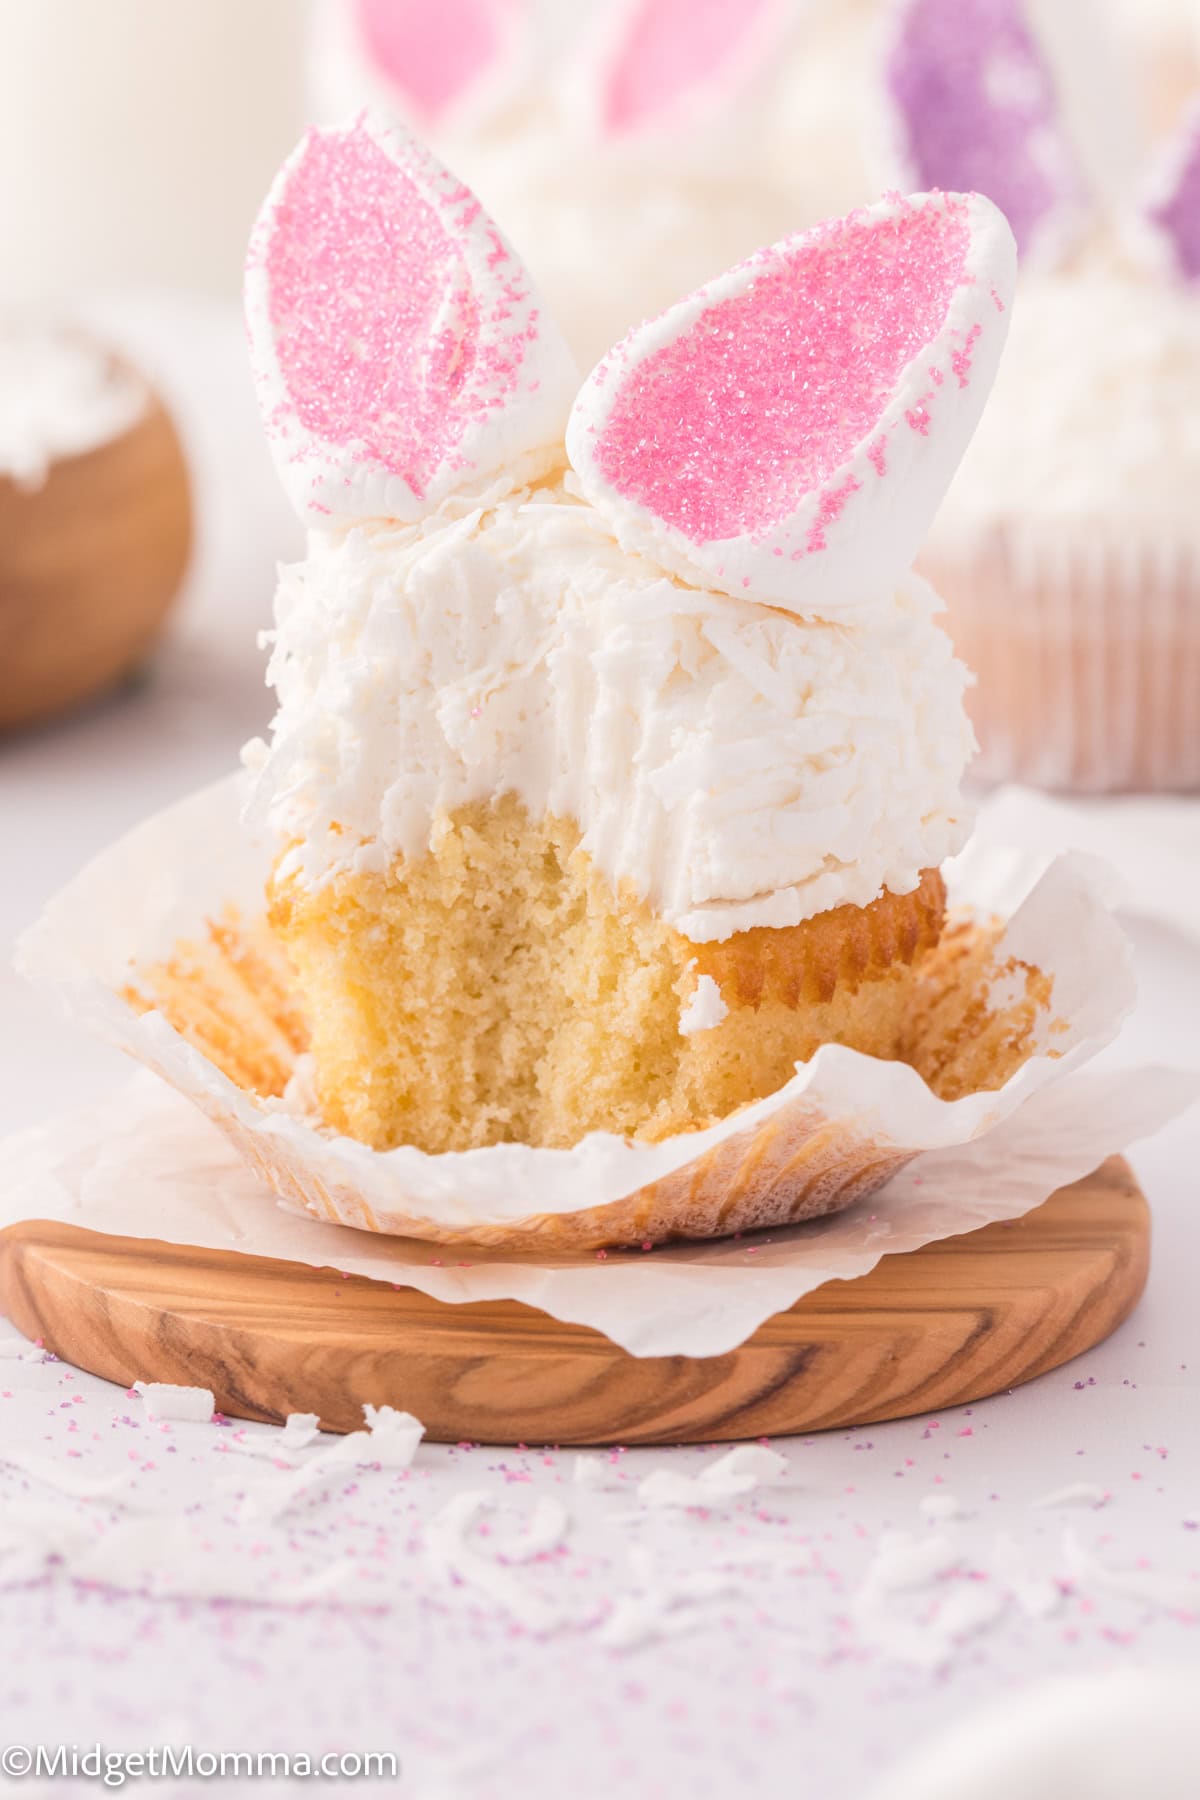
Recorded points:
(736, 765)
(1094, 420)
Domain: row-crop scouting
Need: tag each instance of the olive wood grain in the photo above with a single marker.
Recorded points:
(949, 1323)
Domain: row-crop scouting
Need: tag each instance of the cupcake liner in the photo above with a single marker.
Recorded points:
(144, 1164)
(1087, 653)
(837, 1131)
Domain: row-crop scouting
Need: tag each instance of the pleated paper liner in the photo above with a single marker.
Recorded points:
(1087, 654)
(159, 946)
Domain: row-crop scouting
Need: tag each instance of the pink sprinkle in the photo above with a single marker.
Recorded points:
(832, 504)
(878, 455)
(433, 51)
(722, 431)
(962, 359)
(673, 48)
(918, 418)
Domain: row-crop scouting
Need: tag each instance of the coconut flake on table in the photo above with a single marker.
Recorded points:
(738, 1472)
(390, 1440)
(165, 1400)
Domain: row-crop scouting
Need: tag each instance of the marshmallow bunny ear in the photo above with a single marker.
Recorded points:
(973, 103)
(788, 432)
(442, 59)
(1172, 208)
(399, 349)
(663, 63)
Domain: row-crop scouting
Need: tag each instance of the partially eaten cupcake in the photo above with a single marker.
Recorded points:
(617, 749)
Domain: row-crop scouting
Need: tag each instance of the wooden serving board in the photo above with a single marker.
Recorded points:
(953, 1322)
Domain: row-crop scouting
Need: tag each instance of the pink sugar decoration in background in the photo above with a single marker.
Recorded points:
(765, 395)
(378, 335)
(1176, 211)
(432, 51)
(675, 49)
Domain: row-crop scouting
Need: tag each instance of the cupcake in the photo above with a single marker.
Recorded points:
(617, 748)
(633, 147)
(1068, 546)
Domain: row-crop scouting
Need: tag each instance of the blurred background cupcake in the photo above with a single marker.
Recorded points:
(1068, 547)
(631, 148)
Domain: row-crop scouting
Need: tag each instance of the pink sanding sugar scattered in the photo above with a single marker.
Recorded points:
(431, 51)
(672, 48)
(379, 337)
(724, 430)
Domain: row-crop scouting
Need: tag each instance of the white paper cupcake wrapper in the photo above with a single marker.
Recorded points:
(838, 1129)
(144, 1164)
(1087, 653)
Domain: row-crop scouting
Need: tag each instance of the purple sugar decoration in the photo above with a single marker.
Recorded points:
(977, 109)
(1176, 210)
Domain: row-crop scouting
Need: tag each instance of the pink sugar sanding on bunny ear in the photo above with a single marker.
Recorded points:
(662, 60)
(399, 349)
(438, 54)
(973, 102)
(789, 431)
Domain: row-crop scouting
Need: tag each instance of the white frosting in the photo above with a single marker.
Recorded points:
(60, 395)
(705, 1008)
(738, 766)
(1094, 420)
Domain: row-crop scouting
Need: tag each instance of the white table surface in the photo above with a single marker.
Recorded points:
(785, 1682)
